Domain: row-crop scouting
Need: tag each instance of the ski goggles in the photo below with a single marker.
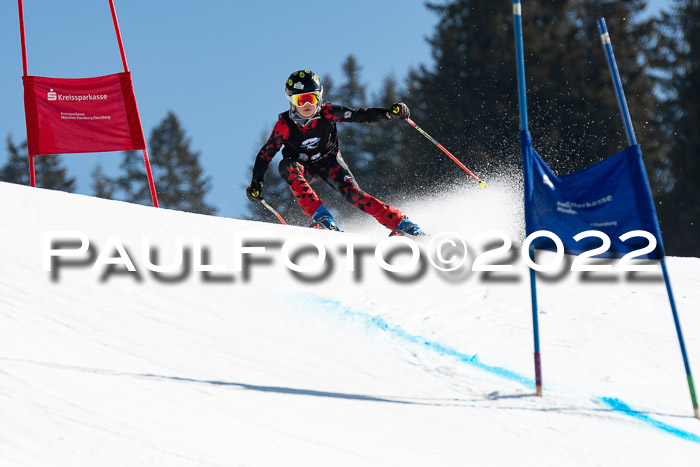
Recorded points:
(300, 100)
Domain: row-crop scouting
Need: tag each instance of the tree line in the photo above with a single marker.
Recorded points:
(467, 99)
(178, 176)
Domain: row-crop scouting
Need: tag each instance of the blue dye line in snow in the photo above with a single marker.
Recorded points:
(618, 406)
(473, 360)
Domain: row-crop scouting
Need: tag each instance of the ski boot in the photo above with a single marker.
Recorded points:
(406, 227)
(323, 219)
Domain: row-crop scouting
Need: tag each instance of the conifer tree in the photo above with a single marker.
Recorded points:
(132, 184)
(102, 185)
(16, 169)
(351, 93)
(386, 172)
(468, 99)
(50, 173)
(179, 178)
(679, 56)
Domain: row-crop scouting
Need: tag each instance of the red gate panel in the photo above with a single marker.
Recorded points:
(81, 115)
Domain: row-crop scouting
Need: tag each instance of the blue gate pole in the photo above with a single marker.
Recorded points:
(632, 140)
(522, 101)
(619, 92)
(520, 62)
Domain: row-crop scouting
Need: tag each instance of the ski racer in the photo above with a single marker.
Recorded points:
(310, 138)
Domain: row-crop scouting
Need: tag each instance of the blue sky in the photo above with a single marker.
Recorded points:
(219, 65)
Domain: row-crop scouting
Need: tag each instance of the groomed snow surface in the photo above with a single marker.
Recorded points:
(106, 367)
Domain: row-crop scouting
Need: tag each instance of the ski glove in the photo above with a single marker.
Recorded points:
(254, 190)
(400, 110)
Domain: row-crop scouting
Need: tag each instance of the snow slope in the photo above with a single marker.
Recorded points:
(110, 367)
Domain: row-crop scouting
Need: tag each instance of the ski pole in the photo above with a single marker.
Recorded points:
(273, 211)
(422, 132)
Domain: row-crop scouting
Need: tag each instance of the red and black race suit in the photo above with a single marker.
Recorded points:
(312, 151)
(314, 142)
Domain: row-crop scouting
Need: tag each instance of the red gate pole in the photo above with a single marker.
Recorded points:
(32, 173)
(22, 37)
(20, 7)
(119, 35)
(151, 184)
(146, 161)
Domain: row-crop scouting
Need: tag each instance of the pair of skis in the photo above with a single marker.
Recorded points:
(318, 225)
